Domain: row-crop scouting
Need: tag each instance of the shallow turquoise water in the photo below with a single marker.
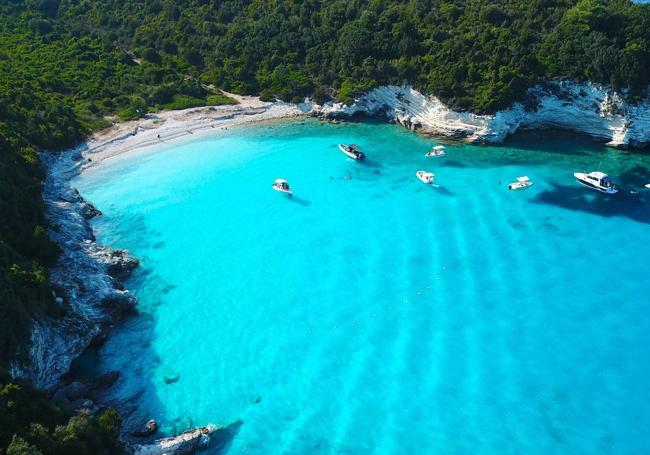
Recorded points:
(376, 314)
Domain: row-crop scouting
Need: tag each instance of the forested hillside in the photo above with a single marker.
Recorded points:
(65, 65)
(475, 54)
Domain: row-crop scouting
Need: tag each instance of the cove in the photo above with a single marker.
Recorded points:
(372, 313)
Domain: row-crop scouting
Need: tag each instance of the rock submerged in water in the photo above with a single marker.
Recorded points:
(147, 429)
(103, 382)
(99, 339)
(171, 377)
(120, 305)
(121, 264)
(89, 211)
(76, 391)
(82, 395)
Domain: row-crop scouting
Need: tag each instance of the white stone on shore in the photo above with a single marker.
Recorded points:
(185, 443)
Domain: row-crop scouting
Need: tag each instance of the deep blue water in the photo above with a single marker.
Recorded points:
(375, 314)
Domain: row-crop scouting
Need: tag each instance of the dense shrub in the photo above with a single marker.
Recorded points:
(477, 54)
(31, 424)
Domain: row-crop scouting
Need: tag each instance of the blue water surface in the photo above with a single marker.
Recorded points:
(372, 314)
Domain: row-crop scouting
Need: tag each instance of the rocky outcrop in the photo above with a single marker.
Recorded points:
(87, 279)
(586, 108)
(146, 430)
(171, 377)
(76, 395)
(183, 444)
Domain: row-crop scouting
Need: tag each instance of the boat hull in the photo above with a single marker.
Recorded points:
(596, 187)
(352, 155)
(520, 185)
(281, 190)
(425, 177)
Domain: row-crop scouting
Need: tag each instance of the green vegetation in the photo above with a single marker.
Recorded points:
(31, 425)
(70, 66)
(478, 54)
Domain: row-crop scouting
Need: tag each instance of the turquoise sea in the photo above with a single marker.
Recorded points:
(372, 314)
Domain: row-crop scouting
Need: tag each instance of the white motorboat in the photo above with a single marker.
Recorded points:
(438, 150)
(352, 151)
(647, 185)
(282, 186)
(521, 183)
(598, 181)
(426, 177)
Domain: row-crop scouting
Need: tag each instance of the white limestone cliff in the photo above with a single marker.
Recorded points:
(586, 108)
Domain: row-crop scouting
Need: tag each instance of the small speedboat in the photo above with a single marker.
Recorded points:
(647, 185)
(282, 186)
(438, 150)
(352, 151)
(598, 181)
(521, 183)
(426, 177)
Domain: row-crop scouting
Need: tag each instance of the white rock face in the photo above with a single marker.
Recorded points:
(185, 443)
(586, 108)
(86, 279)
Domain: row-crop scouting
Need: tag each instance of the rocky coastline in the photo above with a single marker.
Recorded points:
(88, 280)
(88, 284)
(586, 108)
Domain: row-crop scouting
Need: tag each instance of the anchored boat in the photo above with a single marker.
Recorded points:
(598, 181)
(438, 150)
(426, 177)
(282, 186)
(521, 183)
(352, 151)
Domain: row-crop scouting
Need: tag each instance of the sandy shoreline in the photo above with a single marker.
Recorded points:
(166, 126)
(83, 276)
(88, 276)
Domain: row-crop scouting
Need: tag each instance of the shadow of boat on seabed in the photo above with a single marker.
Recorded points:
(300, 201)
(633, 205)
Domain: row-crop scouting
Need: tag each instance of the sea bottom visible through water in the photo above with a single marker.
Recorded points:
(371, 313)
